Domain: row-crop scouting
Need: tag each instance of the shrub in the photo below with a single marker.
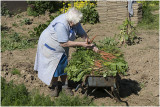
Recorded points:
(14, 41)
(36, 8)
(66, 100)
(149, 21)
(13, 95)
(90, 14)
(18, 95)
(4, 10)
(39, 29)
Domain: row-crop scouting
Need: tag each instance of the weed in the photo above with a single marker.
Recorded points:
(18, 95)
(15, 41)
(5, 11)
(149, 21)
(27, 21)
(18, 16)
(15, 71)
(65, 100)
(127, 33)
(90, 14)
(142, 85)
(37, 8)
(15, 24)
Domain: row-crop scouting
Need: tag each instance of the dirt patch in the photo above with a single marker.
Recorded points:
(139, 88)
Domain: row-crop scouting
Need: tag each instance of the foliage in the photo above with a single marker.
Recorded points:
(80, 64)
(5, 11)
(18, 95)
(65, 100)
(39, 29)
(14, 41)
(127, 33)
(77, 4)
(90, 14)
(27, 21)
(149, 21)
(15, 71)
(13, 95)
(83, 60)
(37, 8)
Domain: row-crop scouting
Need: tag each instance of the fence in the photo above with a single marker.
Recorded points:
(115, 12)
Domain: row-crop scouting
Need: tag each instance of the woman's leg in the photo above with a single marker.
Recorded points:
(54, 81)
(54, 87)
(64, 79)
(65, 85)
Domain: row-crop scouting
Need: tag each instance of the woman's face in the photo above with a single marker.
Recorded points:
(72, 24)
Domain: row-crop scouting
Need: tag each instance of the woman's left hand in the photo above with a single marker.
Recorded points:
(95, 49)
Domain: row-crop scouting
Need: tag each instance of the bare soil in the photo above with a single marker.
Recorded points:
(139, 88)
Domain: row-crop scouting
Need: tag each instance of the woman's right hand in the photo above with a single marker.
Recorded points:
(86, 45)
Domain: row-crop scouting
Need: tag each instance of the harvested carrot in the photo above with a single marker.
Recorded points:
(89, 42)
(93, 39)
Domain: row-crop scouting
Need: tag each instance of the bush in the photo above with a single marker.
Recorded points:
(14, 41)
(18, 95)
(39, 29)
(36, 8)
(13, 95)
(4, 10)
(149, 21)
(65, 100)
(90, 14)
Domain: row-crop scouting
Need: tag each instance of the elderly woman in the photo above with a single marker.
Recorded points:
(53, 48)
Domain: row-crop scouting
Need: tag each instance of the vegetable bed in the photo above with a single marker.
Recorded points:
(107, 62)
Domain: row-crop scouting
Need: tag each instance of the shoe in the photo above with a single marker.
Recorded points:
(55, 91)
(68, 91)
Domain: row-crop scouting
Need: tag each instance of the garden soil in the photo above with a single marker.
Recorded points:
(139, 88)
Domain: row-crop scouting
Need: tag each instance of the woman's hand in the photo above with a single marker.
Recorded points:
(86, 45)
(95, 49)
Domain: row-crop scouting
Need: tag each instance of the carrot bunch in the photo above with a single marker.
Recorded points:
(98, 63)
(106, 56)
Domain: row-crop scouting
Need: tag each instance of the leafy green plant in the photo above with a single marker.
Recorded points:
(127, 33)
(65, 100)
(83, 60)
(90, 14)
(13, 95)
(39, 29)
(14, 41)
(27, 21)
(18, 95)
(5, 11)
(36, 8)
(15, 71)
(149, 21)
(15, 24)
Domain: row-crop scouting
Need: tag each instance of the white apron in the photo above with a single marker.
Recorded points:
(47, 60)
